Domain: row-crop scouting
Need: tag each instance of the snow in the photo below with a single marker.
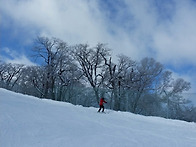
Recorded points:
(26, 121)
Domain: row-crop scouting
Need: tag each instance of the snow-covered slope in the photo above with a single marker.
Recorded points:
(26, 121)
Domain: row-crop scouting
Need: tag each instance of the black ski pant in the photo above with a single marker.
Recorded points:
(101, 107)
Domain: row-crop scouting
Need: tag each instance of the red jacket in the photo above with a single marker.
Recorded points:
(102, 101)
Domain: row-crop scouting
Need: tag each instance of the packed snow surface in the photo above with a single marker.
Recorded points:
(26, 121)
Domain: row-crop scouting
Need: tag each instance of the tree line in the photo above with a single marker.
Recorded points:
(81, 74)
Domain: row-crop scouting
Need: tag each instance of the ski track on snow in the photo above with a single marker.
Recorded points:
(26, 121)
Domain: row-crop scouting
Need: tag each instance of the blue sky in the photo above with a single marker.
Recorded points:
(162, 29)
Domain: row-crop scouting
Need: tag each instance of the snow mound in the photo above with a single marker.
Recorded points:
(26, 121)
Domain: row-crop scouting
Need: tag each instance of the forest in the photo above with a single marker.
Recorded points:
(81, 75)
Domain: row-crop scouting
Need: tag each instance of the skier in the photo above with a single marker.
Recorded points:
(102, 100)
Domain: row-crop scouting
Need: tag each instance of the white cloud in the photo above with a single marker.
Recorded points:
(10, 56)
(72, 21)
(83, 21)
(164, 30)
(176, 42)
(20, 60)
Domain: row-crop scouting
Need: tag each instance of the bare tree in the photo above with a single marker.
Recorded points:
(116, 79)
(48, 50)
(10, 74)
(143, 79)
(171, 91)
(3, 67)
(91, 62)
(69, 75)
